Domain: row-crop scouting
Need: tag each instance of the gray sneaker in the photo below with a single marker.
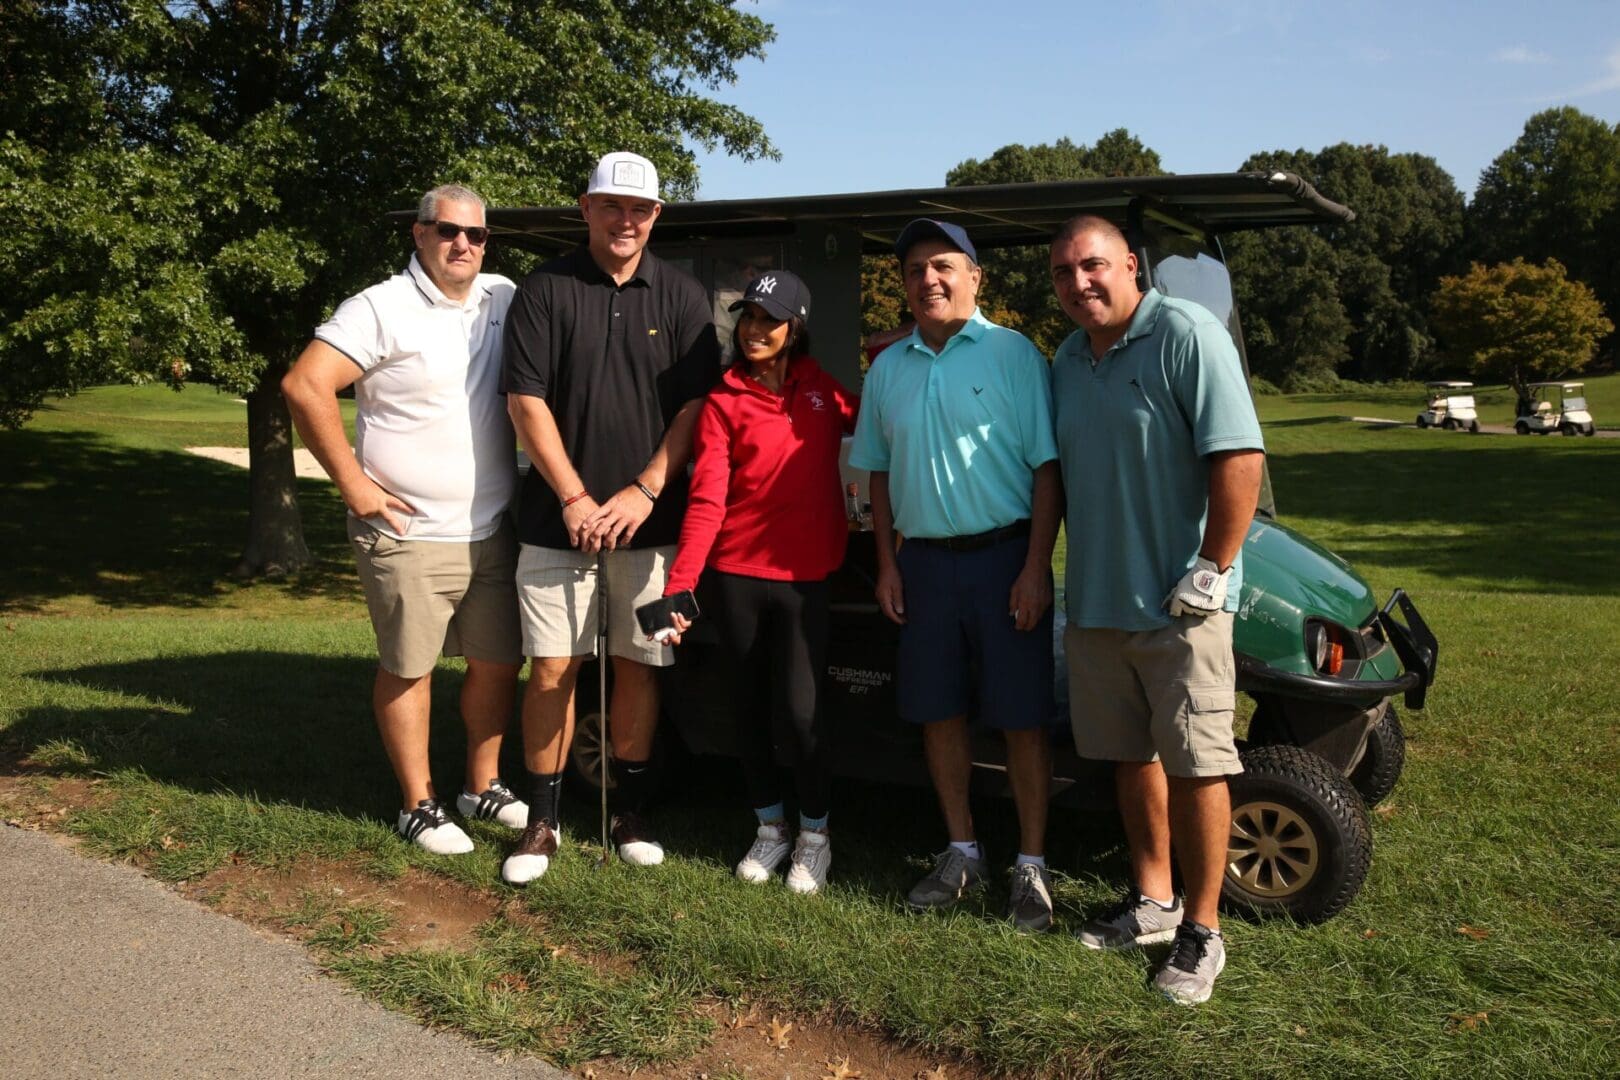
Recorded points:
(1136, 921)
(1198, 955)
(953, 874)
(1030, 906)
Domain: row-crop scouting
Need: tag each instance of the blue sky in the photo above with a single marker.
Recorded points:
(866, 96)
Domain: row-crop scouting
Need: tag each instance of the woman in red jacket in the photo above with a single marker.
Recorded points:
(765, 525)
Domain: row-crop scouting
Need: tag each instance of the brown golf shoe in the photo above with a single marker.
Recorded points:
(532, 856)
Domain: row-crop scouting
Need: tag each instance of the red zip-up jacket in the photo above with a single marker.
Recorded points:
(765, 499)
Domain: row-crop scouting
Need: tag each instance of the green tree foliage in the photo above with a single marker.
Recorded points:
(1555, 193)
(1378, 271)
(203, 181)
(1519, 322)
(1018, 282)
(1295, 329)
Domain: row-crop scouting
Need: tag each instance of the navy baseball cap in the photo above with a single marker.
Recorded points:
(928, 229)
(779, 292)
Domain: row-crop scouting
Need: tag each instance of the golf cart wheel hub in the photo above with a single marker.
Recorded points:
(1272, 850)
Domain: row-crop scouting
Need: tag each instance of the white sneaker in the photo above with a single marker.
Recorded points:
(770, 847)
(430, 828)
(494, 803)
(812, 855)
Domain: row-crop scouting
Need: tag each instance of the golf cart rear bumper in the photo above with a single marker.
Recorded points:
(1412, 640)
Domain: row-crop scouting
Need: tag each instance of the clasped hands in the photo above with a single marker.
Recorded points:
(594, 526)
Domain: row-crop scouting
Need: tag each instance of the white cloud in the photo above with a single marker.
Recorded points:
(1520, 54)
(1604, 83)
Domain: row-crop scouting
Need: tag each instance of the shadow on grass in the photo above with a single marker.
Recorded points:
(297, 729)
(84, 515)
(279, 727)
(1499, 514)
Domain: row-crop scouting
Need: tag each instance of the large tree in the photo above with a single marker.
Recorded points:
(202, 181)
(1519, 323)
(1555, 193)
(1380, 268)
(1018, 282)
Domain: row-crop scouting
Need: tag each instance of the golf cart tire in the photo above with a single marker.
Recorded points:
(1568, 429)
(1379, 769)
(1521, 428)
(1422, 421)
(1473, 427)
(1449, 424)
(1591, 429)
(1289, 801)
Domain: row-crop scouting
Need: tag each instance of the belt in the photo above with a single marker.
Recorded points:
(976, 542)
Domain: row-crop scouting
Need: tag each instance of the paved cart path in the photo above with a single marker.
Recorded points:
(109, 973)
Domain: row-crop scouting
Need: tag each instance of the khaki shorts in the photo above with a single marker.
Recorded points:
(557, 594)
(428, 597)
(1147, 694)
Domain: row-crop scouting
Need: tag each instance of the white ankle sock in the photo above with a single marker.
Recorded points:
(970, 848)
(1031, 860)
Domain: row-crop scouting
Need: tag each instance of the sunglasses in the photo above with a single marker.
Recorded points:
(447, 230)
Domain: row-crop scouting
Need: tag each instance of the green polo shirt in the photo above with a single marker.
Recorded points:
(960, 432)
(1133, 431)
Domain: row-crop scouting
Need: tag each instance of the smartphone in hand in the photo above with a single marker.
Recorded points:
(660, 614)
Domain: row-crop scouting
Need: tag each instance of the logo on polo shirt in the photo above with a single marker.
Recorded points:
(817, 402)
(766, 285)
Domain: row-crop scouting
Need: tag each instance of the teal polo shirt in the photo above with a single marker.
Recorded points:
(1133, 432)
(960, 432)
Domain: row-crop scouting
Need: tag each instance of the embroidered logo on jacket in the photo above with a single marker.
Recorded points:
(817, 402)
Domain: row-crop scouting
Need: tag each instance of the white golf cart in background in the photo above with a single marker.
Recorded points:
(1449, 407)
(1539, 413)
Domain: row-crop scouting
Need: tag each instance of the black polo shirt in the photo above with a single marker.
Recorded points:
(614, 363)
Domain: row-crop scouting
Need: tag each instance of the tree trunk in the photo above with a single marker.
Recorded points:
(275, 540)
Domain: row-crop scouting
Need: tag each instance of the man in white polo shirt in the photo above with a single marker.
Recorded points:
(427, 485)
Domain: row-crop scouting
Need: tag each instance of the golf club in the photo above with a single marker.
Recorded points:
(602, 691)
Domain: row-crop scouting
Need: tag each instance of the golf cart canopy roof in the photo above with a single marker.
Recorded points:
(1450, 385)
(995, 215)
(1559, 385)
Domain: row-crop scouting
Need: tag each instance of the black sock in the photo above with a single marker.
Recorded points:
(632, 781)
(545, 788)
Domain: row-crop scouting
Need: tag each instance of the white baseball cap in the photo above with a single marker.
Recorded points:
(624, 173)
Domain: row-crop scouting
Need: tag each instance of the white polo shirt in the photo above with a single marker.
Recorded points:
(430, 421)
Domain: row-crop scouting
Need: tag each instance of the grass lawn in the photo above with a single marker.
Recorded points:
(226, 727)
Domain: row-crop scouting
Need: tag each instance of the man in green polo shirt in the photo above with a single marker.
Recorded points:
(956, 428)
(1162, 458)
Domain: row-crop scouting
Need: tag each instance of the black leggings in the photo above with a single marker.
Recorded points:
(775, 633)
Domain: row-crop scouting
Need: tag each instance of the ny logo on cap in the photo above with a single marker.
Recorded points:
(629, 174)
(766, 285)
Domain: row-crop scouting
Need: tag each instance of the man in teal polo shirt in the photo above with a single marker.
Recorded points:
(956, 428)
(1162, 459)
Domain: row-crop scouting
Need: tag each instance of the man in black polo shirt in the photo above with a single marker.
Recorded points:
(608, 354)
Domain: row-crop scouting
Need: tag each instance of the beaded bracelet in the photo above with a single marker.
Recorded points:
(572, 499)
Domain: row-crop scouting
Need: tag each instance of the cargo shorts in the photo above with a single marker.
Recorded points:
(429, 597)
(1165, 694)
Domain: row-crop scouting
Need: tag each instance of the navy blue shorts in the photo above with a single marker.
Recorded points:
(959, 652)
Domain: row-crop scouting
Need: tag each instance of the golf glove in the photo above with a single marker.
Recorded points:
(1201, 591)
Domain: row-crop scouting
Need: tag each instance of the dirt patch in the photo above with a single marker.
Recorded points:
(751, 1043)
(425, 912)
